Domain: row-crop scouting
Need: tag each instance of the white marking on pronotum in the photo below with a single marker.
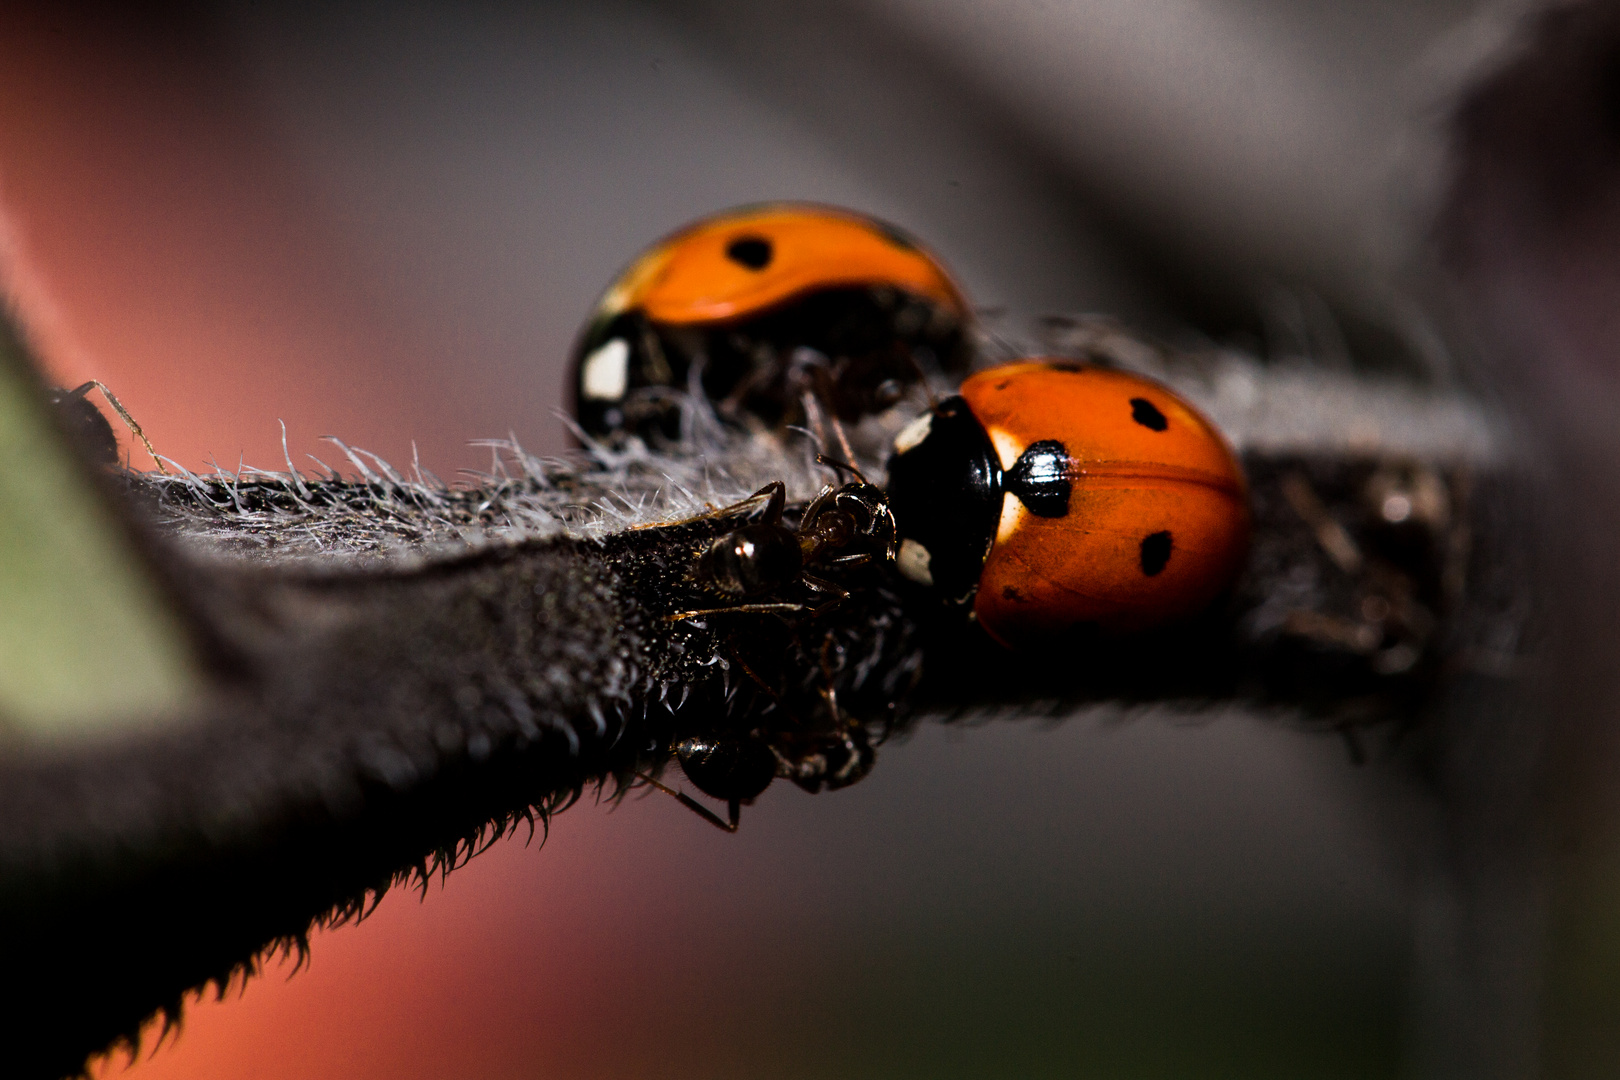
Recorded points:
(914, 561)
(913, 433)
(606, 372)
(1012, 512)
(1008, 446)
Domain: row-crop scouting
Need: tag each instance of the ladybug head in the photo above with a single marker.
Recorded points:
(945, 489)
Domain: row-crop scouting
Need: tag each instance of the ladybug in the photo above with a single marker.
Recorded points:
(1053, 496)
(756, 307)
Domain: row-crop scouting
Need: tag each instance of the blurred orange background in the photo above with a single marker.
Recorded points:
(159, 243)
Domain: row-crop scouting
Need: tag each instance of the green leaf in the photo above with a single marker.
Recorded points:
(89, 642)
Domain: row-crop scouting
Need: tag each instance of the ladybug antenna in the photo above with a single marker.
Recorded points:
(841, 467)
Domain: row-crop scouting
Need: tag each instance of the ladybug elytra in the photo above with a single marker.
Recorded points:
(757, 306)
(1050, 495)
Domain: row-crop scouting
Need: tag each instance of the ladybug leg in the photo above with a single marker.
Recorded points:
(659, 373)
(733, 808)
(758, 376)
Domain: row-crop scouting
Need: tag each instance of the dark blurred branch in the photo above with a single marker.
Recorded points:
(381, 719)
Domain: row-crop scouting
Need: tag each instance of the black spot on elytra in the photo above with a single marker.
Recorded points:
(1068, 367)
(1003, 384)
(1147, 414)
(1008, 592)
(1155, 552)
(753, 252)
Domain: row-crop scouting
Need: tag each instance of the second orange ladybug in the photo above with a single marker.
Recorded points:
(1052, 495)
(756, 307)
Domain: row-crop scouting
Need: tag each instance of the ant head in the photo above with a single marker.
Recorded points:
(868, 508)
(727, 766)
(827, 761)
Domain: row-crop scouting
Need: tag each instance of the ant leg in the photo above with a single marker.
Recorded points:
(813, 511)
(774, 494)
(824, 586)
(756, 608)
(843, 724)
(733, 808)
(893, 545)
(829, 691)
(851, 560)
(840, 594)
(777, 492)
(754, 675)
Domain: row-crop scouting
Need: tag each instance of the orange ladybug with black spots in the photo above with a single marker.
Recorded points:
(755, 307)
(1051, 495)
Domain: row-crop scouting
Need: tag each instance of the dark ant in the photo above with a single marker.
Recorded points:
(844, 527)
(737, 770)
(766, 556)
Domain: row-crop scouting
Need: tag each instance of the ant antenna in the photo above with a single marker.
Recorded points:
(841, 467)
(123, 414)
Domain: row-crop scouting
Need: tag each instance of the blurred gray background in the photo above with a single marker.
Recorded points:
(1253, 171)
